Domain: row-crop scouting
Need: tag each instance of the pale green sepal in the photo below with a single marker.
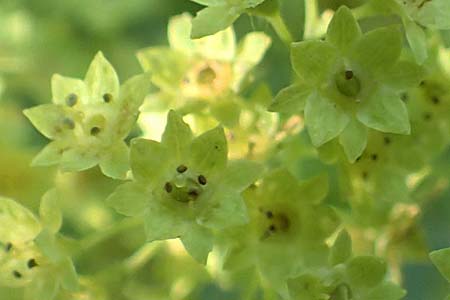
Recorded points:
(441, 259)
(417, 40)
(46, 241)
(148, 159)
(115, 162)
(313, 60)
(211, 2)
(227, 209)
(50, 155)
(167, 66)
(384, 111)
(209, 151)
(435, 14)
(42, 288)
(18, 224)
(238, 258)
(198, 242)
(132, 95)
(386, 291)
(291, 99)
(342, 248)
(239, 174)
(378, 50)
(63, 86)
(329, 152)
(213, 19)
(314, 190)
(354, 139)
(130, 199)
(366, 271)
(404, 75)
(68, 275)
(101, 78)
(177, 135)
(226, 111)
(178, 33)
(162, 223)
(47, 118)
(76, 159)
(324, 119)
(50, 212)
(219, 46)
(343, 30)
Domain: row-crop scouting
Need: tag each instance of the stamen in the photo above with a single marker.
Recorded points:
(387, 140)
(193, 194)
(374, 157)
(269, 214)
(202, 180)
(348, 74)
(107, 97)
(71, 99)
(17, 274)
(181, 169)
(168, 187)
(69, 123)
(32, 263)
(8, 247)
(95, 131)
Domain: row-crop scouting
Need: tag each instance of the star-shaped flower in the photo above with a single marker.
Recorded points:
(287, 219)
(204, 74)
(347, 277)
(30, 254)
(349, 82)
(89, 119)
(185, 187)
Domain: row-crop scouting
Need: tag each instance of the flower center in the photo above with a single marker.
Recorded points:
(347, 83)
(276, 222)
(185, 186)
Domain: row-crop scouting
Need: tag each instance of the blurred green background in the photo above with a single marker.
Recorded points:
(41, 37)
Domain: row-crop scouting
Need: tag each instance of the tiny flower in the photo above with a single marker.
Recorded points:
(89, 119)
(350, 82)
(203, 74)
(358, 277)
(185, 187)
(30, 256)
(287, 219)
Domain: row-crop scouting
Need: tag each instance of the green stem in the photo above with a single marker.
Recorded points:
(280, 28)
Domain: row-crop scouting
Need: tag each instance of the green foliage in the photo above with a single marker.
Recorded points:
(212, 182)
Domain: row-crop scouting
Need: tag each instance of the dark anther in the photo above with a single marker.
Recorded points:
(427, 116)
(422, 83)
(107, 97)
(404, 97)
(8, 247)
(348, 74)
(359, 158)
(71, 99)
(95, 131)
(181, 169)
(387, 140)
(435, 100)
(202, 179)
(32, 263)
(269, 214)
(365, 175)
(272, 228)
(168, 187)
(69, 123)
(193, 194)
(374, 157)
(17, 274)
